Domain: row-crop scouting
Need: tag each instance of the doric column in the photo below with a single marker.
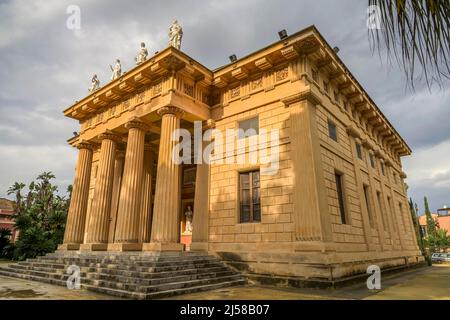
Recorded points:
(165, 224)
(76, 217)
(200, 221)
(98, 227)
(127, 234)
(145, 218)
(118, 169)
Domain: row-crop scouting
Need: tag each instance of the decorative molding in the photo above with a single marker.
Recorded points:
(352, 131)
(304, 95)
(137, 123)
(170, 110)
(263, 63)
(110, 135)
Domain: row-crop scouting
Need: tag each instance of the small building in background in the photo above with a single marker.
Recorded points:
(441, 218)
(6, 219)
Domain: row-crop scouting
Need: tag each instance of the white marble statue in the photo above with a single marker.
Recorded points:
(95, 84)
(142, 55)
(175, 35)
(116, 70)
(188, 214)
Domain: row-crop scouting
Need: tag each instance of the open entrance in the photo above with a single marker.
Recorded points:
(187, 204)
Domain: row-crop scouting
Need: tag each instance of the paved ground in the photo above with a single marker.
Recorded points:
(426, 283)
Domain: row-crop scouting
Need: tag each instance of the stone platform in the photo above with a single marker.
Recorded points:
(146, 275)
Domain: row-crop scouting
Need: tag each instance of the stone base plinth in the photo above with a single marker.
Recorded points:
(69, 246)
(199, 246)
(94, 247)
(156, 246)
(125, 247)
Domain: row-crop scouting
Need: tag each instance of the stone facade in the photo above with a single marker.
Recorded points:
(129, 194)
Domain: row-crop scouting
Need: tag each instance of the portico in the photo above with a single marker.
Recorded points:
(127, 189)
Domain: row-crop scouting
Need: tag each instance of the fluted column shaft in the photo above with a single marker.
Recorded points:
(130, 193)
(76, 217)
(118, 170)
(97, 229)
(145, 219)
(167, 193)
(200, 223)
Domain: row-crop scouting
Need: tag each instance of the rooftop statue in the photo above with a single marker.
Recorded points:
(175, 35)
(95, 84)
(142, 55)
(117, 70)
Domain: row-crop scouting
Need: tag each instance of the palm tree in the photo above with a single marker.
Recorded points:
(16, 189)
(416, 33)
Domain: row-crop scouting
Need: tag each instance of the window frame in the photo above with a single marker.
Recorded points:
(238, 122)
(330, 125)
(249, 172)
(341, 197)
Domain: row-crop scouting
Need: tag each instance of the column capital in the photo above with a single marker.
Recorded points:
(137, 123)
(84, 144)
(209, 124)
(170, 110)
(109, 135)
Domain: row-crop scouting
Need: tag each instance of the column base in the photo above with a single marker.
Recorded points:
(69, 246)
(157, 246)
(199, 246)
(94, 247)
(125, 247)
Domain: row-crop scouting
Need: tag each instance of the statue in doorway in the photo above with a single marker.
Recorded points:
(188, 214)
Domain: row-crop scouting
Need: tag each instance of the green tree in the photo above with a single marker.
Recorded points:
(438, 241)
(5, 235)
(431, 225)
(416, 33)
(42, 218)
(416, 224)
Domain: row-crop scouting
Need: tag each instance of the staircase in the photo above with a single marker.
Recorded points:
(131, 275)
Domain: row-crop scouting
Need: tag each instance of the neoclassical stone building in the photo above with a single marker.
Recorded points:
(336, 204)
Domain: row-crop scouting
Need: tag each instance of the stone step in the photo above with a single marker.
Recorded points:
(154, 275)
(135, 276)
(158, 287)
(213, 286)
(153, 281)
(97, 262)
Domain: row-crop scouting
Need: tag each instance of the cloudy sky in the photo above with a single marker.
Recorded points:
(45, 67)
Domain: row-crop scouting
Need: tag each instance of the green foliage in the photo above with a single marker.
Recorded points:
(431, 225)
(5, 234)
(40, 217)
(437, 241)
(416, 224)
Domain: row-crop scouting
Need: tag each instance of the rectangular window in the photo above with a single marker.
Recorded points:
(359, 151)
(372, 162)
(395, 178)
(332, 132)
(382, 211)
(249, 196)
(340, 194)
(382, 167)
(368, 204)
(248, 128)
